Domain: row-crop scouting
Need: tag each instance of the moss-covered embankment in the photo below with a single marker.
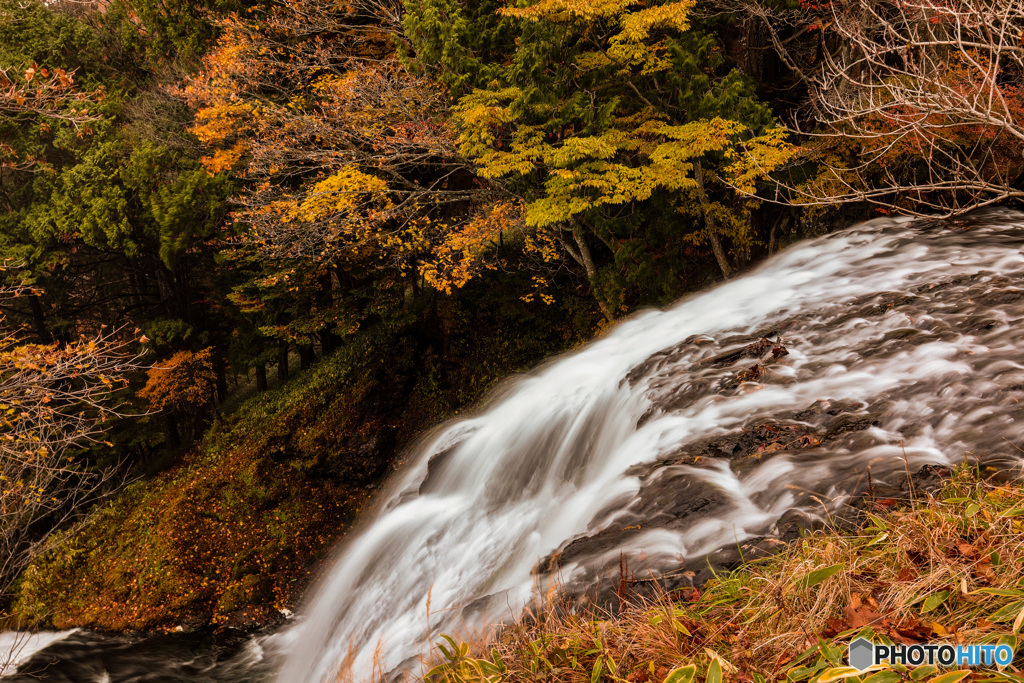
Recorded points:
(233, 532)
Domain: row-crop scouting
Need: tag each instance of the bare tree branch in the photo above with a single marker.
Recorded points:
(55, 400)
(915, 105)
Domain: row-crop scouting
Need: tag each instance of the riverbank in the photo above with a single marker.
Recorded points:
(943, 567)
(233, 533)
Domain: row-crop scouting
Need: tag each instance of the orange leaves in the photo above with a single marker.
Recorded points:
(42, 96)
(54, 400)
(860, 613)
(222, 121)
(864, 611)
(459, 255)
(348, 157)
(184, 382)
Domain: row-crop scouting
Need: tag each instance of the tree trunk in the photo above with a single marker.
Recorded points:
(261, 377)
(328, 342)
(220, 367)
(306, 356)
(173, 435)
(584, 258)
(709, 222)
(777, 226)
(411, 289)
(282, 363)
(39, 319)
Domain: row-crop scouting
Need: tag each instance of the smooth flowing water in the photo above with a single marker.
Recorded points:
(740, 413)
(906, 334)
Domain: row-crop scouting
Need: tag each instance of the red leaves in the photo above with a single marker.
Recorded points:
(689, 594)
(765, 350)
(864, 611)
(754, 372)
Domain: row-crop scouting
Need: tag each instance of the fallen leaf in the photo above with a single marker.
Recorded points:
(834, 627)
(983, 572)
(966, 549)
(859, 618)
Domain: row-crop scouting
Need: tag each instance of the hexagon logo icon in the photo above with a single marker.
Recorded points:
(861, 654)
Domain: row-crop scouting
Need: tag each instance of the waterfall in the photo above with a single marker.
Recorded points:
(716, 422)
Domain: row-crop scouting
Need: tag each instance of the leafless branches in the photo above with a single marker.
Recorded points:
(54, 400)
(913, 104)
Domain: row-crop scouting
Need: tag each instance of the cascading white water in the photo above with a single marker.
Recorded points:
(17, 647)
(904, 341)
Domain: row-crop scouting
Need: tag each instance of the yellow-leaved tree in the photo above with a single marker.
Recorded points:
(348, 159)
(610, 114)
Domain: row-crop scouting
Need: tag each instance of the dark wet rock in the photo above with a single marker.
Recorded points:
(849, 422)
(668, 498)
(874, 305)
(602, 588)
(1001, 468)
(926, 480)
(996, 297)
(436, 467)
(670, 494)
(795, 523)
(90, 656)
(901, 334)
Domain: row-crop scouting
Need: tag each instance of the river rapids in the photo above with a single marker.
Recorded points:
(682, 437)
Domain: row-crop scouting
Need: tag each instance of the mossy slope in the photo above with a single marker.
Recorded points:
(233, 532)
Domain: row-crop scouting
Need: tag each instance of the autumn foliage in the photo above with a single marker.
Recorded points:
(55, 401)
(279, 182)
(50, 95)
(184, 382)
(601, 112)
(182, 387)
(349, 158)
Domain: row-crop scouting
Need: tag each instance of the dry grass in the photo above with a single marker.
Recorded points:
(946, 569)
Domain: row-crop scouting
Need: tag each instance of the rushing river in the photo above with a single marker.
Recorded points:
(742, 413)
